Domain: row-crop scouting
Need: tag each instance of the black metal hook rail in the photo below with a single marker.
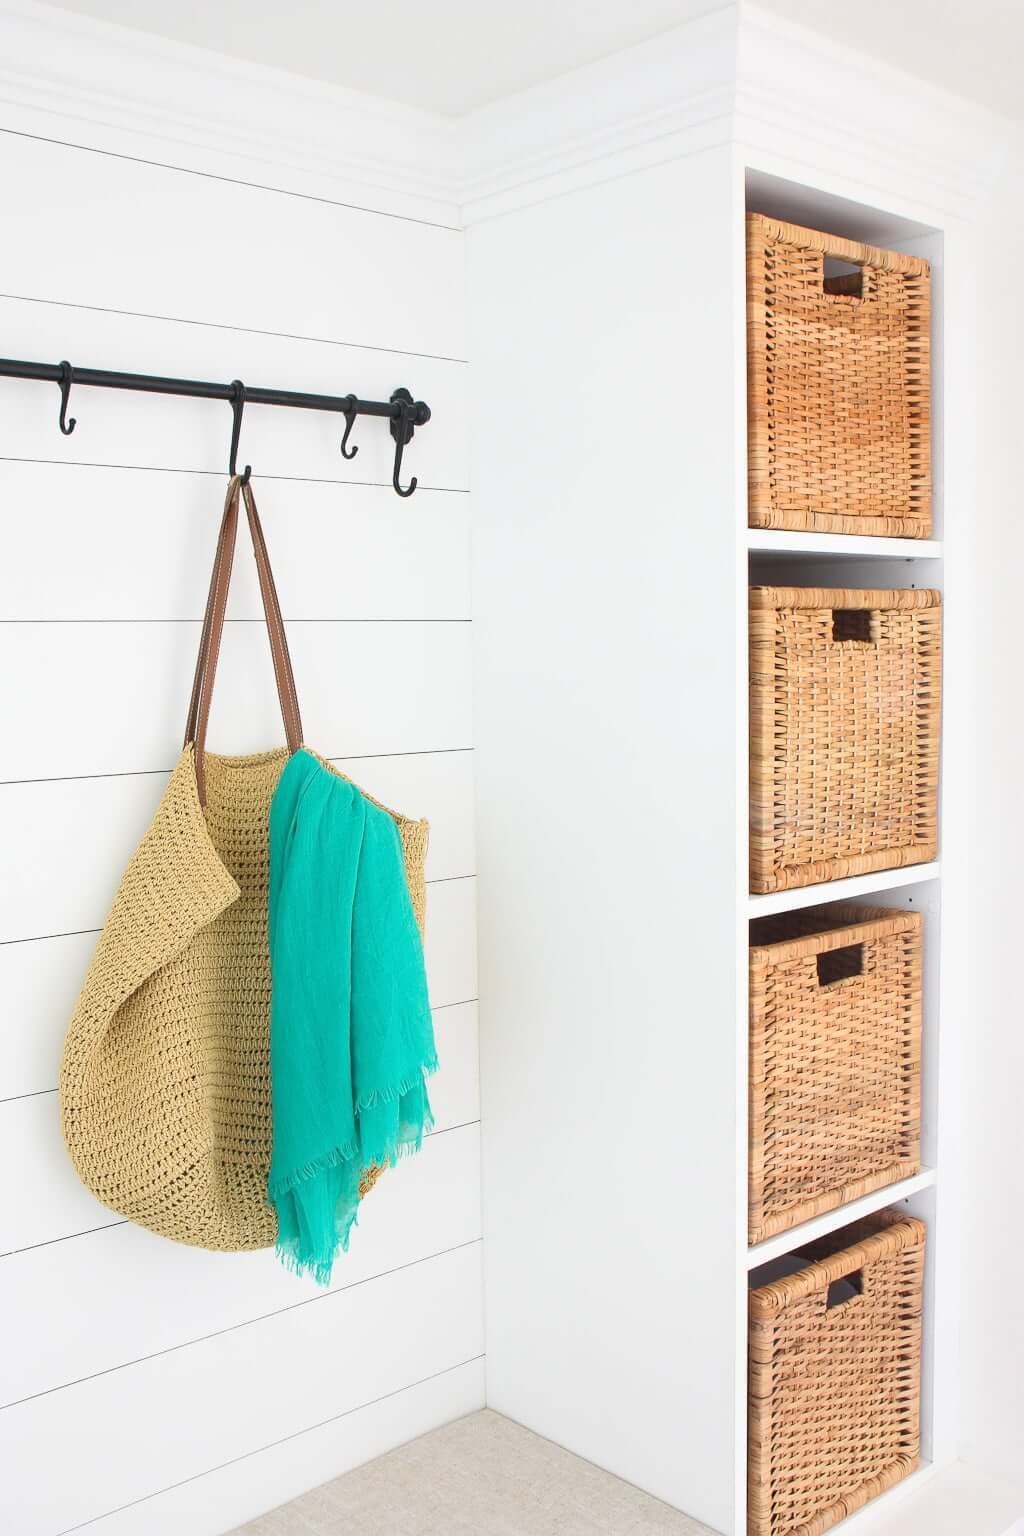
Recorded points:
(402, 412)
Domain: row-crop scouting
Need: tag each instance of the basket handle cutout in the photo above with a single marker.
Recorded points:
(840, 964)
(852, 624)
(842, 279)
(844, 1290)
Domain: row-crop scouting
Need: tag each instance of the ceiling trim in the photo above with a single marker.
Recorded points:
(803, 98)
(132, 92)
(663, 98)
(784, 96)
(734, 75)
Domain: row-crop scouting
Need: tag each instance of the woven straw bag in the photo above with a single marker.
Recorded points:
(165, 1075)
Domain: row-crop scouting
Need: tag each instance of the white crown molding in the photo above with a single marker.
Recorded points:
(1003, 207)
(803, 99)
(67, 75)
(660, 99)
(790, 100)
(787, 98)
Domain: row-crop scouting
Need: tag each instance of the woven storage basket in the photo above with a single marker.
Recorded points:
(835, 1378)
(838, 384)
(835, 1059)
(844, 732)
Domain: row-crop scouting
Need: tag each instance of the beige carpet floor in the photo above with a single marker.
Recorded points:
(481, 1476)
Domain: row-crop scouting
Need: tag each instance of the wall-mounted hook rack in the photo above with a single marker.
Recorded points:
(402, 412)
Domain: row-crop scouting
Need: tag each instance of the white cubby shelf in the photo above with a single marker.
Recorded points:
(841, 890)
(779, 541)
(842, 1216)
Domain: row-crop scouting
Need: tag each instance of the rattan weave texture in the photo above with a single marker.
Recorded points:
(838, 383)
(835, 1391)
(845, 691)
(835, 1059)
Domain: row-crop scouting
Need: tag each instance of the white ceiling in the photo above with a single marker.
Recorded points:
(453, 55)
(972, 47)
(448, 55)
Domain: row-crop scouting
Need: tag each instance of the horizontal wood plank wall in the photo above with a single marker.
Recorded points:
(147, 1387)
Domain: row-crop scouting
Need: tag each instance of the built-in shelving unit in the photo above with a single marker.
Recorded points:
(934, 888)
(612, 559)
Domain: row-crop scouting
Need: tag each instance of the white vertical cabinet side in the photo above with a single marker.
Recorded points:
(955, 278)
(741, 770)
(604, 591)
(993, 1059)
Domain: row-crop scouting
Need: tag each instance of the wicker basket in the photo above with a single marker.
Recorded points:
(844, 732)
(835, 1060)
(835, 1377)
(838, 384)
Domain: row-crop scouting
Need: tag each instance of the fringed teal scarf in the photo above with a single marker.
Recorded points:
(351, 1035)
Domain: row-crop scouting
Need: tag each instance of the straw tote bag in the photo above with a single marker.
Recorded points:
(165, 1076)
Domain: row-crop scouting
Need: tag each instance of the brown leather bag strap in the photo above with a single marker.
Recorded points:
(279, 653)
(225, 549)
(213, 628)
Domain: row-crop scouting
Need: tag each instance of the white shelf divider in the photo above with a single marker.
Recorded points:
(831, 1221)
(841, 890)
(782, 541)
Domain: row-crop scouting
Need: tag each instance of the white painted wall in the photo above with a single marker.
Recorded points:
(993, 1321)
(605, 618)
(147, 1387)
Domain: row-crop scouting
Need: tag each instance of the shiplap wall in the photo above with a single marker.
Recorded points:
(147, 1387)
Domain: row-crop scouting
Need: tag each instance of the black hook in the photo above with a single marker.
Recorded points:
(350, 421)
(237, 407)
(402, 426)
(67, 427)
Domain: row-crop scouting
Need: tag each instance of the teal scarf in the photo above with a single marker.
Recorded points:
(350, 1028)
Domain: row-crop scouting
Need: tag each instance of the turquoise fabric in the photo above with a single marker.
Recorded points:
(351, 1035)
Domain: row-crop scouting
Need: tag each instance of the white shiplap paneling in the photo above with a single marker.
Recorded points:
(124, 1435)
(455, 1090)
(88, 542)
(97, 698)
(39, 982)
(425, 1205)
(167, 242)
(173, 1423)
(47, 1201)
(213, 1502)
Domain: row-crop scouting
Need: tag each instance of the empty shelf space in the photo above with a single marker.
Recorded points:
(781, 541)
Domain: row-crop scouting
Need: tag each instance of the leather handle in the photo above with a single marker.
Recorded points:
(225, 548)
(213, 629)
(283, 673)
